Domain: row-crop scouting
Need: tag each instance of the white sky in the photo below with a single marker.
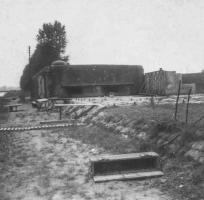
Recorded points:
(152, 33)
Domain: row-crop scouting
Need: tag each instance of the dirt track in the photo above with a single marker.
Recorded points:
(48, 165)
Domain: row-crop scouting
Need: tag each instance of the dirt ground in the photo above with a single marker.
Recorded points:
(49, 165)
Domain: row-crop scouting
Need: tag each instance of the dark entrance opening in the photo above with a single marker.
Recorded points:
(74, 91)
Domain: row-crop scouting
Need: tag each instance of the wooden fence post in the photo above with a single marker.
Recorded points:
(189, 93)
(177, 99)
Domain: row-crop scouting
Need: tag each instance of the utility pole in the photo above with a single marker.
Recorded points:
(29, 67)
(29, 62)
(29, 55)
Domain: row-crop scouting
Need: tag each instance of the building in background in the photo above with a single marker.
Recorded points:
(194, 78)
(63, 80)
(162, 82)
(67, 81)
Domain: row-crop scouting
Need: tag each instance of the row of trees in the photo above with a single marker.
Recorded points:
(51, 44)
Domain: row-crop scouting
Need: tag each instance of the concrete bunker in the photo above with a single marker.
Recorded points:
(63, 80)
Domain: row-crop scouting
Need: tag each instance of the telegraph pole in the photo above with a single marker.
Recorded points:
(29, 67)
(29, 55)
(29, 62)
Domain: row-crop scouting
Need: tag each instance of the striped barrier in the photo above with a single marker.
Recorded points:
(39, 127)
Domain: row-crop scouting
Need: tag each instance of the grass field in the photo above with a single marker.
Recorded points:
(183, 178)
(54, 164)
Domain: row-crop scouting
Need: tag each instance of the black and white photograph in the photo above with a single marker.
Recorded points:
(102, 100)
